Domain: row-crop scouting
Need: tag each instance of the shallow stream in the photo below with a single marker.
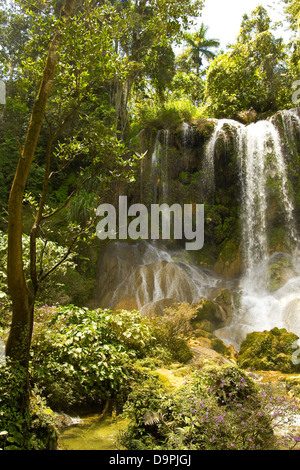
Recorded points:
(93, 432)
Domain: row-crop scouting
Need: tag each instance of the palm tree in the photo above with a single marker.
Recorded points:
(200, 46)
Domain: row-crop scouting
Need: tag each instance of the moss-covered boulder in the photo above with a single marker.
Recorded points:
(209, 315)
(269, 350)
(229, 263)
(280, 270)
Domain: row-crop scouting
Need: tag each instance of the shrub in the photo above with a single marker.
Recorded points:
(170, 114)
(219, 408)
(32, 429)
(83, 357)
(171, 329)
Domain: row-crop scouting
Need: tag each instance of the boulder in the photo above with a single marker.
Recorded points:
(269, 350)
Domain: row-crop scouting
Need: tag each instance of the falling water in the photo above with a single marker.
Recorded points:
(156, 150)
(221, 133)
(145, 274)
(165, 172)
(291, 123)
(159, 166)
(187, 135)
(261, 308)
(261, 158)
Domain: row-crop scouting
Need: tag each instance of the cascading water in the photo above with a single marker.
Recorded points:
(261, 157)
(159, 170)
(218, 134)
(143, 274)
(165, 173)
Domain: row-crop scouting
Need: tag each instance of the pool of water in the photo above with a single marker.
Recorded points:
(93, 433)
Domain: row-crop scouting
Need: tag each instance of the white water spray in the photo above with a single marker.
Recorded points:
(262, 159)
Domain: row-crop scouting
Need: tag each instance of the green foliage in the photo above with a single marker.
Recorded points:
(90, 353)
(173, 112)
(219, 408)
(49, 253)
(293, 13)
(172, 328)
(30, 428)
(251, 74)
(188, 85)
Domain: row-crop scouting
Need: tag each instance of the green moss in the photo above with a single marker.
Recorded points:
(278, 271)
(220, 347)
(208, 316)
(180, 350)
(268, 350)
(277, 239)
(293, 386)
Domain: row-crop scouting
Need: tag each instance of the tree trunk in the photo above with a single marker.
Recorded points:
(21, 293)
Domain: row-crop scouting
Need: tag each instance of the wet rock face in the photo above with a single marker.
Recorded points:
(142, 276)
(247, 177)
(280, 270)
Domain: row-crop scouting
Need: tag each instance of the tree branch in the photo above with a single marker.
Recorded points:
(75, 238)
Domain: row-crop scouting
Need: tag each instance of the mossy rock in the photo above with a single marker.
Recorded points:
(218, 346)
(280, 270)
(229, 263)
(208, 311)
(180, 351)
(205, 325)
(277, 239)
(200, 333)
(293, 386)
(268, 350)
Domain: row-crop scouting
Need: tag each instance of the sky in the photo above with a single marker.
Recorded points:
(224, 17)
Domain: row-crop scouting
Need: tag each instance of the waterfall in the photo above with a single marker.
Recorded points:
(143, 274)
(262, 159)
(187, 136)
(260, 155)
(219, 134)
(159, 166)
(165, 172)
(156, 150)
(291, 123)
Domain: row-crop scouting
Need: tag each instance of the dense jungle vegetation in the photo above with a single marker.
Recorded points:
(83, 78)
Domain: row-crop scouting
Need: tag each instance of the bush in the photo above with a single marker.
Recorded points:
(171, 329)
(31, 429)
(219, 408)
(170, 114)
(83, 357)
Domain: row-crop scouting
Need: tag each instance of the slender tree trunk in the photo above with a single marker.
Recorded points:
(22, 293)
